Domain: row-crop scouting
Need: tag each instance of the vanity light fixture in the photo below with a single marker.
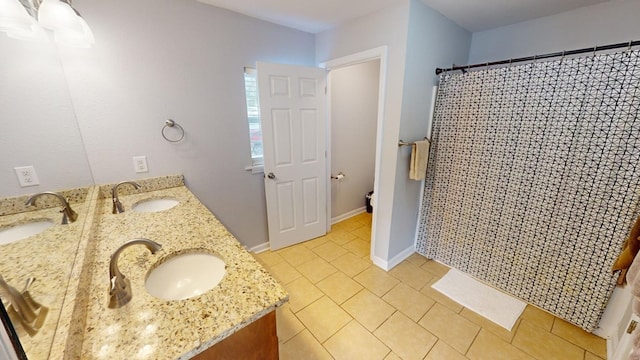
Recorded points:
(18, 20)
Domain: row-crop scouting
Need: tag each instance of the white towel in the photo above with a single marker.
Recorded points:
(419, 158)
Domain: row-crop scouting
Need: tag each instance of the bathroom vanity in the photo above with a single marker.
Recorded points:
(235, 319)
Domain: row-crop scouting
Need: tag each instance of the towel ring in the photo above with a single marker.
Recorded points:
(169, 124)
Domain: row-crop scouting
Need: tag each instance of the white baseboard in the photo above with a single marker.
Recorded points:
(390, 264)
(259, 248)
(347, 215)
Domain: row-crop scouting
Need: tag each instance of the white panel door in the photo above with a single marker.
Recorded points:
(292, 111)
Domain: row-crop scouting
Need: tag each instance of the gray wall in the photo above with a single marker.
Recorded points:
(183, 60)
(38, 122)
(600, 24)
(354, 117)
(433, 41)
(383, 28)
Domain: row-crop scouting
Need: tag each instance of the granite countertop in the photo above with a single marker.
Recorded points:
(37, 256)
(151, 328)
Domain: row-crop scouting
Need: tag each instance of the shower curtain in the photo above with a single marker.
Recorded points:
(533, 180)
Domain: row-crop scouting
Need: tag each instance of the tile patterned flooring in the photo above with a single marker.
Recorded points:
(344, 307)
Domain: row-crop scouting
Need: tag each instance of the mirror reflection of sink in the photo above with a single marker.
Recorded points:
(185, 276)
(23, 231)
(154, 205)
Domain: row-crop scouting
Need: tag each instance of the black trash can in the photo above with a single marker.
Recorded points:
(368, 199)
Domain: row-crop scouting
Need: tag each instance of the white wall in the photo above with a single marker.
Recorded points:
(600, 24)
(159, 59)
(38, 122)
(354, 115)
(433, 41)
(387, 27)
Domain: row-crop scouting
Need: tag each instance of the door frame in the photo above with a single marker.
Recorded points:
(378, 53)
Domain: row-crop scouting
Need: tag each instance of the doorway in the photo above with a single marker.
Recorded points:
(359, 63)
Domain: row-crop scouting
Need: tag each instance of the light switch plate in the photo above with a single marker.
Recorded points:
(27, 176)
(140, 164)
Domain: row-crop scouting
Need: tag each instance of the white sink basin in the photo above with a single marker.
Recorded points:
(155, 205)
(185, 276)
(23, 231)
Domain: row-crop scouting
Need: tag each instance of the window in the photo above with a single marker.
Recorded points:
(253, 117)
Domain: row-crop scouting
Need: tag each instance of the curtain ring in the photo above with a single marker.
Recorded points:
(168, 124)
(630, 42)
(562, 58)
(595, 48)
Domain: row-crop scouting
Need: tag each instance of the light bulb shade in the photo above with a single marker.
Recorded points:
(34, 33)
(14, 17)
(58, 16)
(82, 39)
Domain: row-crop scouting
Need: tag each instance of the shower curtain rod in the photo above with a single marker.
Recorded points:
(544, 56)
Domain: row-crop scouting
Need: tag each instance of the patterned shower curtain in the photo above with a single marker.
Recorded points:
(533, 179)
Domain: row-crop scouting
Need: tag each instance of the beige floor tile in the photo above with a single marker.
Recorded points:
(489, 325)
(341, 237)
(323, 318)
(442, 351)
(355, 342)
(346, 225)
(287, 324)
(392, 356)
(359, 247)
(576, 335)
(411, 302)
(316, 242)
(490, 347)
(364, 218)
(411, 275)
(302, 293)
(406, 338)
(303, 346)
(351, 264)
(376, 280)
(316, 269)
(297, 254)
(590, 356)
(440, 298)
(417, 259)
(363, 232)
(284, 272)
(450, 327)
(269, 258)
(542, 344)
(538, 317)
(435, 268)
(368, 309)
(339, 287)
(330, 251)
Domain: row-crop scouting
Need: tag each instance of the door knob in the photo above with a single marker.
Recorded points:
(271, 176)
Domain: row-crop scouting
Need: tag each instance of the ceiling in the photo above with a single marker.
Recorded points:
(474, 15)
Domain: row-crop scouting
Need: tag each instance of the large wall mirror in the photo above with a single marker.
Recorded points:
(39, 129)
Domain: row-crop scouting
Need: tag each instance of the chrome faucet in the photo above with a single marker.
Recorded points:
(22, 308)
(120, 287)
(117, 206)
(68, 215)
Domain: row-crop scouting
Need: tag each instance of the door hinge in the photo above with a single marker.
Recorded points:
(632, 326)
(325, 89)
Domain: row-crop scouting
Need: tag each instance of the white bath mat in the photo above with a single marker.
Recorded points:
(493, 304)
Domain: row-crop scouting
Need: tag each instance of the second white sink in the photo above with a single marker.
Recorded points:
(185, 276)
(23, 231)
(155, 205)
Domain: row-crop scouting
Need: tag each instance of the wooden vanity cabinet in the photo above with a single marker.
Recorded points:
(256, 341)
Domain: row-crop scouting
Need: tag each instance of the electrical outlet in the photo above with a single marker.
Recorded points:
(140, 164)
(27, 176)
